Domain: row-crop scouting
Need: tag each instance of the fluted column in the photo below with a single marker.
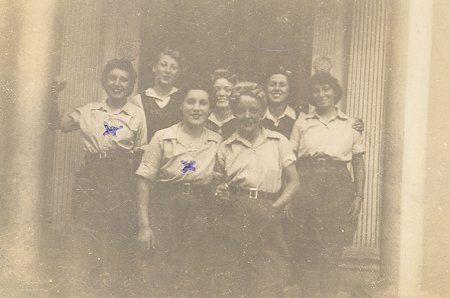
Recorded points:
(80, 66)
(366, 100)
(330, 37)
(352, 36)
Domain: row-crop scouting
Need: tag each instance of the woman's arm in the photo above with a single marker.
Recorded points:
(291, 187)
(359, 173)
(146, 239)
(67, 123)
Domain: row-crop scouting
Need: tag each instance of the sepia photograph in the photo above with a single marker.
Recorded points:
(224, 148)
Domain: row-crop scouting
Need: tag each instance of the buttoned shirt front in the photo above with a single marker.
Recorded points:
(259, 165)
(166, 156)
(94, 118)
(313, 136)
(161, 101)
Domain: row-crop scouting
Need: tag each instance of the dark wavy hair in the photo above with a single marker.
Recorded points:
(325, 78)
(200, 85)
(247, 89)
(122, 64)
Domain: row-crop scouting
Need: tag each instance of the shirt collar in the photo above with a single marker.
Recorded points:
(151, 93)
(172, 133)
(101, 105)
(289, 112)
(266, 134)
(212, 117)
(339, 114)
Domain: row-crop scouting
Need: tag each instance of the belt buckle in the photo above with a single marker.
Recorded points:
(321, 163)
(187, 189)
(102, 155)
(253, 193)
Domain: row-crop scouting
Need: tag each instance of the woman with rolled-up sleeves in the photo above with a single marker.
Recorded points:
(174, 190)
(326, 143)
(103, 209)
(257, 168)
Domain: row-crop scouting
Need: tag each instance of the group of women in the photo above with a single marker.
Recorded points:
(229, 171)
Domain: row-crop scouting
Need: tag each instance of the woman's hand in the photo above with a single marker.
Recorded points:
(222, 191)
(358, 125)
(146, 239)
(56, 86)
(355, 208)
(288, 210)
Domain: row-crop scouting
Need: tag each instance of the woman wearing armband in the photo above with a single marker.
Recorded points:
(103, 209)
(325, 143)
(174, 193)
(257, 167)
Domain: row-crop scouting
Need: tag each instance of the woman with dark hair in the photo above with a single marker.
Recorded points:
(174, 192)
(161, 102)
(104, 219)
(257, 189)
(280, 116)
(325, 143)
(221, 119)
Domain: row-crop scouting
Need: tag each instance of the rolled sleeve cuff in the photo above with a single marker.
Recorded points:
(289, 160)
(146, 172)
(357, 149)
(75, 115)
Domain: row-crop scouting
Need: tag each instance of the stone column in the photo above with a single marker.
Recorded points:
(352, 35)
(26, 136)
(366, 100)
(80, 66)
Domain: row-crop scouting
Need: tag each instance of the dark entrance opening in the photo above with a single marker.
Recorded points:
(248, 36)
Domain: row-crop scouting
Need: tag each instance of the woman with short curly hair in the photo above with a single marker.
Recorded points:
(326, 142)
(257, 189)
(162, 102)
(221, 119)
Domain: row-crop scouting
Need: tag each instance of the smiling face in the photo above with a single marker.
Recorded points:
(223, 89)
(166, 71)
(117, 84)
(196, 107)
(277, 88)
(248, 113)
(323, 96)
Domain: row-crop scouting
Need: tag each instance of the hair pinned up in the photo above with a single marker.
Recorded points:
(224, 74)
(247, 88)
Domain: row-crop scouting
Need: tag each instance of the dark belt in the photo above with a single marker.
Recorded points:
(108, 155)
(321, 163)
(185, 188)
(253, 193)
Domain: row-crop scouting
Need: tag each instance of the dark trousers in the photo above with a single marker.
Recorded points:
(102, 245)
(180, 223)
(252, 258)
(322, 223)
